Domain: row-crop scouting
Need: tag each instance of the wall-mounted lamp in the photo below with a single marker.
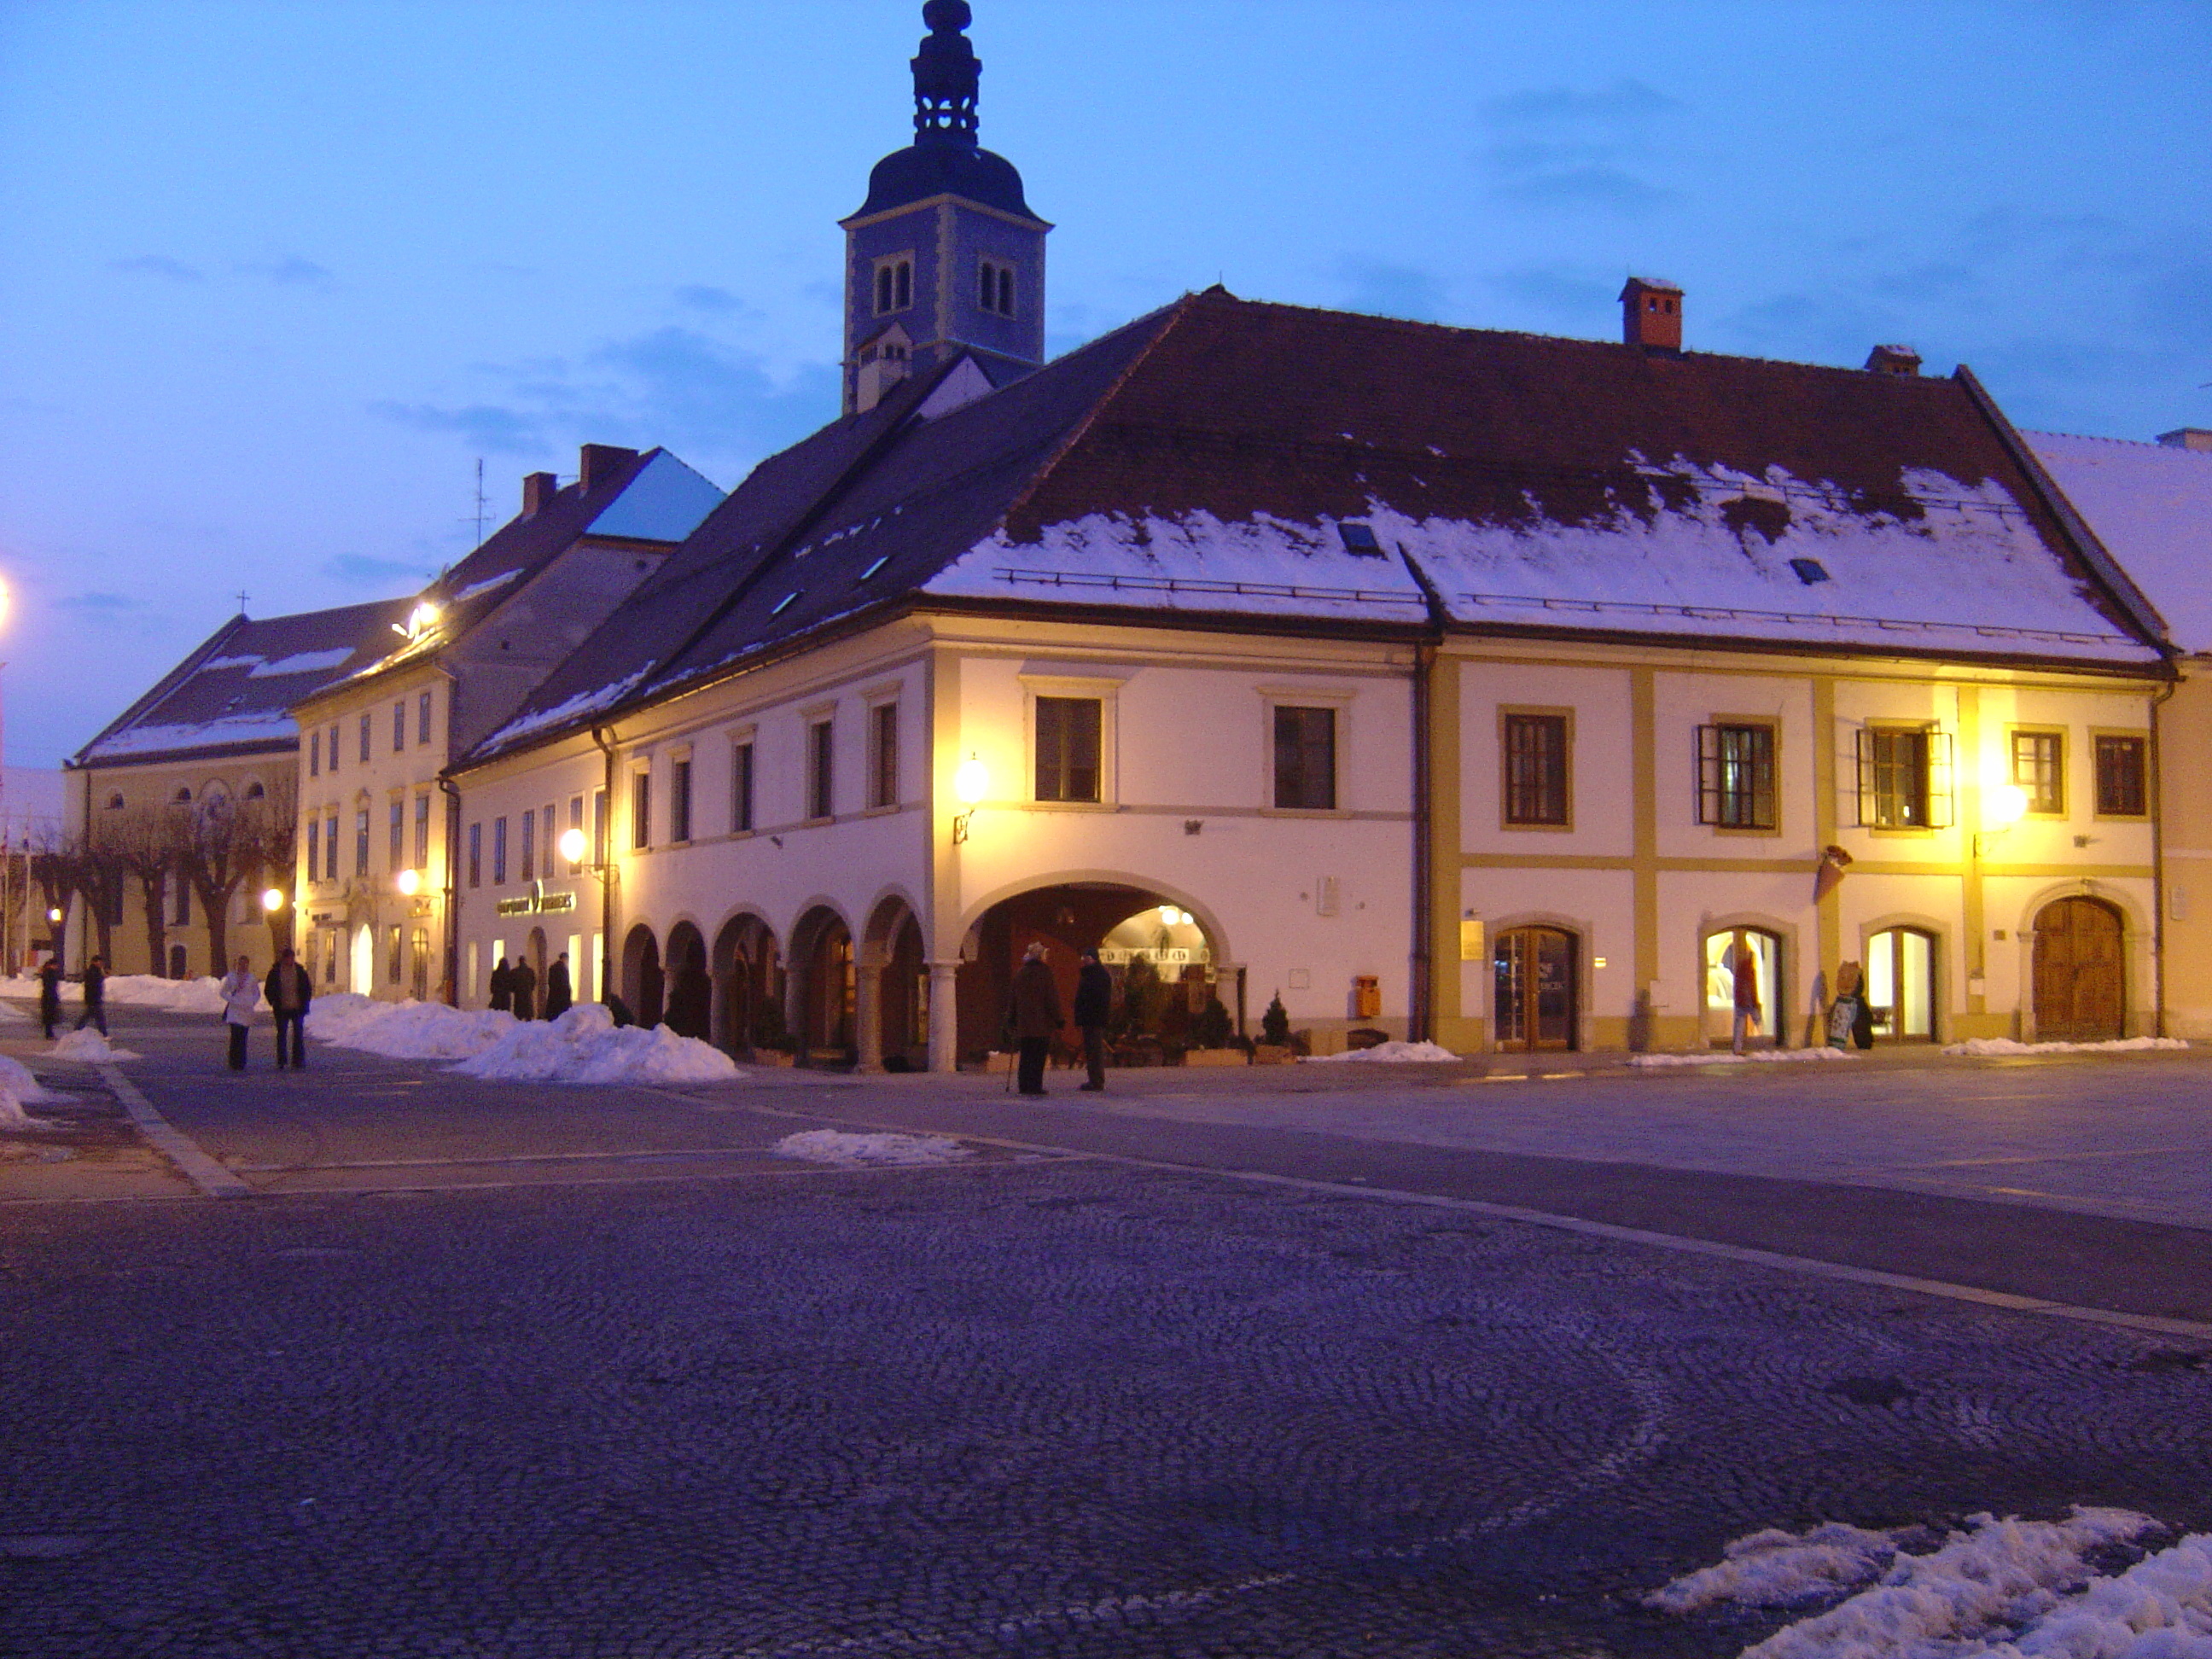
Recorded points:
(409, 884)
(572, 846)
(969, 784)
(2003, 806)
(54, 916)
(272, 899)
(1172, 915)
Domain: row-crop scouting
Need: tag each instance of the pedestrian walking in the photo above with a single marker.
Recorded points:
(523, 983)
(1849, 1019)
(241, 995)
(1094, 1003)
(49, 995)
(1743, 968)
(289, 991)
(559, 995)
(1036, 1016)
(95, 996)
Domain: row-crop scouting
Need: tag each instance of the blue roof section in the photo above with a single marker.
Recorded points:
(922, 171)
(665, 502)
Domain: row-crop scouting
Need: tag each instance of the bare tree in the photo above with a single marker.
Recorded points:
(271, 826)
(217, 848)
(58, 867)
(147, 843)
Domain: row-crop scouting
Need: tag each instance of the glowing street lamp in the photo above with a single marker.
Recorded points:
(2003, 806)
(970, 783)
(410, 883)
(572, 846)
(273, 901)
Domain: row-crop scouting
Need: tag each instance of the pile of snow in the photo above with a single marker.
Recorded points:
(1758, 1056)
(585, 1045)
(2008, 1588)
(11, 1015)
(87, 1044)
(406, 1030)
(836, 1146)
(179, 996)
(1987, 1047)
(1425, 1054)
(16, 1078)
(12, 1116)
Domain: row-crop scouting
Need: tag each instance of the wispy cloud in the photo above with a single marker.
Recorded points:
(1566, 149)
(290, 271)
(359, 571)
(492, 427)
(99, 604)
(158, 264)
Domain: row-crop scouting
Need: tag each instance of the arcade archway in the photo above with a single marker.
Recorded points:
(823, 994)
(748, 975)
(642, 982)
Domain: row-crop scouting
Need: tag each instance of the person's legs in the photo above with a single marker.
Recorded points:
(1034, 1050)
(299, 1042)
(1742, 1028)
(1094, 1056)
(237, 1047)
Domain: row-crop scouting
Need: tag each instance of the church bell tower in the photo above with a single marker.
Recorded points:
(945, 256)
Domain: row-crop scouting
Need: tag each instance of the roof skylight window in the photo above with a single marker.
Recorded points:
(1360, 539)
(783, 604)
(874, 568)
(1810, 571)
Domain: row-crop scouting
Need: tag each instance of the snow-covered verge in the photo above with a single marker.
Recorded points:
(1756, 1056)
(585, 1045)
(17, 1079)
(2009, 1589)
(1992, 1047)
(405, 1031)
(13, 1117)
(179, 996)
(837, 1146)
(88, 1045)
(1420, 1053)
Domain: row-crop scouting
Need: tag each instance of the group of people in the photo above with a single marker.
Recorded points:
(1035, 1018)
(95, 996)
(289, 990)
(513, 988)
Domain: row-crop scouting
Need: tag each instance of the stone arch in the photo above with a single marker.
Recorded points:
(1792, 982)
(1584, 931)
(747, 965)
(892, 1002)
(689, 1002)
(821, 983)
(1209, 920)
(643, 984)
(1945, 966)
(2067, 997)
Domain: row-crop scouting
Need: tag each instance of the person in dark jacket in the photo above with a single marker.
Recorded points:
(524, 979)
(502, 986)
(289, 991)
(1036, 1016)
(559, 995)
(49, 995)
(95, 996)
(1094, 1004)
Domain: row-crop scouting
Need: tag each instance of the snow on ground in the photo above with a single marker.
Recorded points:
(585, 1045)
(11, 1015)
(2013, 1589)
(836, 1146)
(12, 1116)
(405, 1031)
(1987, 1047)
(1760, 1056)
(16, 1078)
(179, 996)
(1429, 1053)
(88, 1045)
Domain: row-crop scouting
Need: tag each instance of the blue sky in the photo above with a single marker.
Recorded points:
(275, 276)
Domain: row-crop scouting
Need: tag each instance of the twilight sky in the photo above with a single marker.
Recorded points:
(274, 276)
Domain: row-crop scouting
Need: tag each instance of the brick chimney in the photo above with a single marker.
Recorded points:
(1651, 314)
(2186, 437)
(1893, 360)
(598, 462)
(537, 489)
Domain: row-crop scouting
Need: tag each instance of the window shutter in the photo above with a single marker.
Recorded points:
(1940, 785)
(1708, 775)
(1869, 810)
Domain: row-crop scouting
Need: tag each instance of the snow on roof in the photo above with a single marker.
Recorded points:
(489, 584)
(302, 662)
(2151, 506)
(137, 742)
(663, 503)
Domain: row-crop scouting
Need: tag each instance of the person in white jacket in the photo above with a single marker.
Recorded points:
(241, 995)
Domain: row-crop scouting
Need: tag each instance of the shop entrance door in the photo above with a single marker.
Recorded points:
(1534, 968)
(2080, 989)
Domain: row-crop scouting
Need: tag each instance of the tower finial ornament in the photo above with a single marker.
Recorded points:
(946, 75)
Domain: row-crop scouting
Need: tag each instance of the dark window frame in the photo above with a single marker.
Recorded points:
(1536, 769)
(1905, 778)
(742, 784)
(883, 755)
(1070, 750)
(2123, 769)
(822, 769)
(679, 800)
(640, 811)
(2044, 780)
(1305, 742)
(1737, 776)
(476, 855)
(498, 851)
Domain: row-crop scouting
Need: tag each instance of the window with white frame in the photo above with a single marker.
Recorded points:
(1904, 777)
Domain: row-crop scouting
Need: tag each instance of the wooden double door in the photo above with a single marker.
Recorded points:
(2081, 972)
(1534, 969)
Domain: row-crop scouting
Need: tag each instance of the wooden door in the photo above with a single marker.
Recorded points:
(1534, 968)
(2081, 979)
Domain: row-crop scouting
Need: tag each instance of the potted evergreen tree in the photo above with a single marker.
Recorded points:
(1275, 1047)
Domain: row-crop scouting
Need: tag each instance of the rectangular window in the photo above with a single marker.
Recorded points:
(364, 739)
(741, 789)
(529, 846)
(360, 841)
(182, 916)
(2123, 772)
(821, 770)
(1736, 777)
(476, 855)
(894, 286)
(422, 832)
(314, 848)
(598, 826)
(331, 849)
(399, 725)
(883, 769)
(1068, 748)
(576, 822)
(994, 288)
(1305, 759)
(398, 834)
(314, 754)
(394, 963)
(550, 836)
(641, 810)
(423, 717)
(679, 801)
(334, 748)
(2039, 760)
(499, 852)
(1905, 778)
(1536, 780)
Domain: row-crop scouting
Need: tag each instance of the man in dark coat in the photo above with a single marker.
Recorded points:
(558, 993)
(1094, 1004)
(95, 996)
(49, 995)
(525, 981)
(289, 991)
(1036, 1017)
(502, 986)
